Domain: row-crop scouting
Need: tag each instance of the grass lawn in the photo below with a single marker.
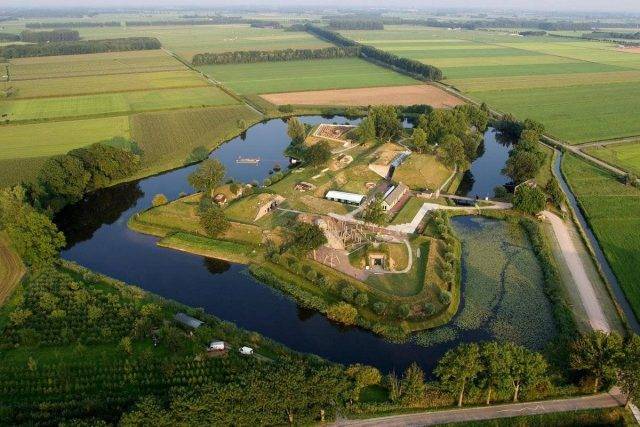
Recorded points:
(113, 103)
(422, 171)
(613, 211)
(11, 268)
(83, 85)
(167, 138)
(219, 249)
(48, 139)
(92, 64)
(408, 211)
(626, 156)
(292, 76)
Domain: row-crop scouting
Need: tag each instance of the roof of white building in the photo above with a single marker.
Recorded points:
(342, 195)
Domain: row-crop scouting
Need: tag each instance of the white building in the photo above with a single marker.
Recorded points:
(344, 197)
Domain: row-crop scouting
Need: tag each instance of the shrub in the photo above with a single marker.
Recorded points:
(362, 299)
(404, 311)
(159, 200)
(286, 108)
(444, 297)
(348, 293)
(380, 307)
(429, 309)
(343, 313)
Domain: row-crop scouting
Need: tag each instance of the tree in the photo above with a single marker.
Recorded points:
(363, 376)
(64, 177)
(453, 153)
(208, 176)
(529, 199)
(419, 139)
(597, 354)
(522, 165)
(496, 364)
(366, 130)
(343, 313)
(555, 192)
(458, 367)
(386, 121)
(526, 368)
(212, 218)
(33, 235)
(159, 200)
(306, 237)
(317, 154)
(296, 130)
(629, 378)
(374, 212)
(413, 386)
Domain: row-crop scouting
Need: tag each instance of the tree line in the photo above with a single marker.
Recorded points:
(408, 66)
(79, 47)
(71, 24)
(9, 37)
(49, 36)
(260, 23)
(501, 23)
(251, 56)
(355, 24)
(612, 35)
(206, 21)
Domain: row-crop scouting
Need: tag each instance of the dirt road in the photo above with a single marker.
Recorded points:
(585, 287)
(604, 400)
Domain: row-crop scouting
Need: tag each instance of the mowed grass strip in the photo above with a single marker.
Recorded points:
(113, 103)
(85, 85)
(613, 211)
(92, 64)
(48, 139)
(293, 76)
(624, 155)
(167, 138)
(575, 113)
(189, 40)
(11, 268)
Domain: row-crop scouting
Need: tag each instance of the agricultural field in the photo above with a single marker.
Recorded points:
(11, 268)
(563, 83)
(93, 64)
(85, 85)
(624, 155)
(319, 74)
(186, 41)
(167, 138)
(612, 211)
(120, 103)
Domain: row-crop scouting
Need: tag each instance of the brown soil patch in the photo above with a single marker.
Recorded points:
(394, 95)
(628, 49)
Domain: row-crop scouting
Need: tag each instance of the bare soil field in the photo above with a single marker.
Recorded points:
(396, 95)
(628, 49)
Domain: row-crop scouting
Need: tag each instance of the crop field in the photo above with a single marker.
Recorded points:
(613, 211)
(186, 41)
(92, 64)
(48, 139)
(293, 76)
(84, 85)
(624, 155)
(113, 103)
(167, 138)
(561, 82)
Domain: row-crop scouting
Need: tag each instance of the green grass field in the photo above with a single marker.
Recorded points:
(92, 64)
(625, 156)
(84, 85)
(113, 103)
(422, 171)
(186, 41)
(167, 138)
(581, 90)
(48, 139)
(408, 211)
(613, 212)
(273, 77)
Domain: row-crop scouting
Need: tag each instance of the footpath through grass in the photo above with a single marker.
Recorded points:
(613, 212)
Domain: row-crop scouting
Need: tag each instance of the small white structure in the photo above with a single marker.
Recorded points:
(246, 351)
(344, 197)
(216, 346)
(187, 321)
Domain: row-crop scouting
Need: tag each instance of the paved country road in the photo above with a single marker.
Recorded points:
(604, 400)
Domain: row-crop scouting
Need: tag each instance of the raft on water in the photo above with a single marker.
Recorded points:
(248, 160)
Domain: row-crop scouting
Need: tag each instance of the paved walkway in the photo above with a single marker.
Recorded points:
(604, 400)
(585, 287)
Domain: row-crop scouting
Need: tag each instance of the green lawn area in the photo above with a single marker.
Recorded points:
(291, 76)
(422, 171)
(625, 156)
(186, 40)
(48, 139)
(113, 103)
(82, 85)
(613, 211)
(408, 211)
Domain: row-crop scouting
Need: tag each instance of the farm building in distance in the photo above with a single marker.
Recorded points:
(344, 197)
(393, 196)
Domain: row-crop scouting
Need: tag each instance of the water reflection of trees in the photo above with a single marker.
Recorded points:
(466, 184)
(79, 221)
(216, 266)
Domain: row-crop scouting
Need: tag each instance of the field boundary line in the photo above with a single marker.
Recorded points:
(108, 92)
(159, 70)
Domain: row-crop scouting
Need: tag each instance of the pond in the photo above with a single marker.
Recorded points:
(99, 239)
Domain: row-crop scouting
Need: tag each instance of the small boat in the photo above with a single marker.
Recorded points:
(248, 160)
